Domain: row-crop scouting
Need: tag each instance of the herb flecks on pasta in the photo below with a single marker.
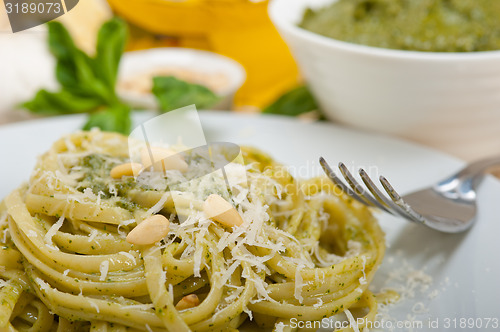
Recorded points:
(301, 251)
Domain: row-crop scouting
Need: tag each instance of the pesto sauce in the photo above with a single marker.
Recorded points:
(96, 169)
(96, 172)
(417, 25)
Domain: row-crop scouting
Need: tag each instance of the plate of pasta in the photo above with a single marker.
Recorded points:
(100, 233)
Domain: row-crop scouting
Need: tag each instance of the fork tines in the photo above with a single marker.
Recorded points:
(375, 198)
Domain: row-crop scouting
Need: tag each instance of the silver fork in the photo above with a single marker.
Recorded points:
(449, 206)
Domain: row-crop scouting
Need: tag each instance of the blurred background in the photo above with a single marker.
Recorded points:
(236, 55)
(238, 29)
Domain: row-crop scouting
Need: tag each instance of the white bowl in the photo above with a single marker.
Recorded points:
(137, 63)
(450, 101)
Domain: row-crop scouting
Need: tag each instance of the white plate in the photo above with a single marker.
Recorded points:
(465, 268)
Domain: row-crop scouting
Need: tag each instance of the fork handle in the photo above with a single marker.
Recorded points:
(479, 168)
(470, 177)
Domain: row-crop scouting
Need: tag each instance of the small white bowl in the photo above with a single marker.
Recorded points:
(223, 75)
(450, 101)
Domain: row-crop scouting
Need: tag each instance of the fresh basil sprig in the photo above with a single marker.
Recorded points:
(87, 83)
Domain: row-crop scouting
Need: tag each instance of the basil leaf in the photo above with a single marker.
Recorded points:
(73, 66)
(66, 75)
(295, 102)
(89, 81)
(61, 44)
(62, 102)
(173, 93)
(75, 70)
(115, 118)
(110, 46)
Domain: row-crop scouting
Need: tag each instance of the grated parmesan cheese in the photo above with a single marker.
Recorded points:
(248, 312)
(52, 231)
(93, 305)
(98, 203)
(43, 285)
(229, 272)
(103, 269)
(235, 294)
(124, 223)
(363, 259)
(5, 235)
(89, 194)
(93, 234)
(318, 304)
(279, 327)
(299, 284)
(159, 205)
(223, 242)
(128, 255)
(112, 189)
(171, 292)
(198, 252)
(352, 321)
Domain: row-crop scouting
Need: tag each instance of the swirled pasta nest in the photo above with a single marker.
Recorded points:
(303, 251)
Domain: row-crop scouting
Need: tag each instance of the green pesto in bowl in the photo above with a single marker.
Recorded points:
(416, 25)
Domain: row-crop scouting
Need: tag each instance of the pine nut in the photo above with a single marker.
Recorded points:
(149, 231)
(188, 301)
(128, 169)
(163, 159)
(220, 210)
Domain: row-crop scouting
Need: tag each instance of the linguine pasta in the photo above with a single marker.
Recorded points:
(303, 251)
